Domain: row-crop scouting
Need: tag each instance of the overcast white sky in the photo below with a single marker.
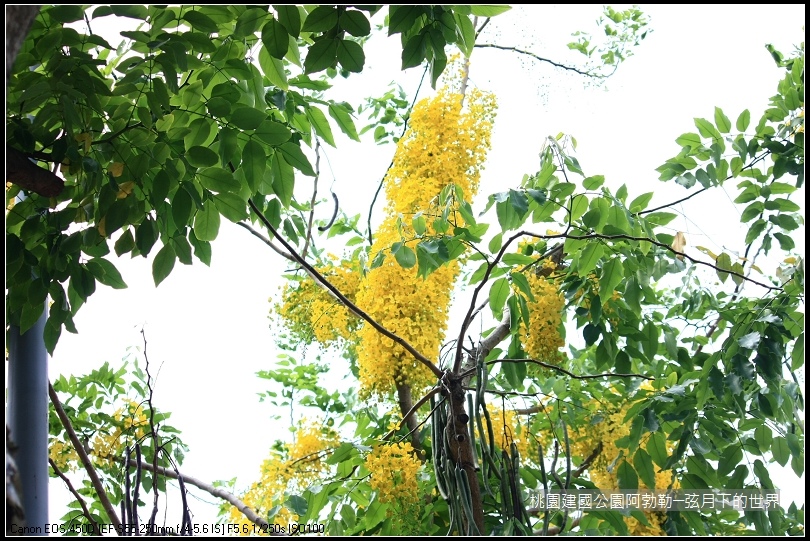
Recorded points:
(208, 329)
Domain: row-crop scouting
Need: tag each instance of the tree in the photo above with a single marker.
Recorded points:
(160, 143)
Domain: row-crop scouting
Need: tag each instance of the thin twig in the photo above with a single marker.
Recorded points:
(413, 410)
(540, 58)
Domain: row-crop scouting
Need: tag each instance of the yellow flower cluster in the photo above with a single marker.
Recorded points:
(302, 465)
(394, 469)
(130, 426)
(613, 427)
(309, 311)
(542, 339)
(446, 144)
(507, 429)
(63, 455)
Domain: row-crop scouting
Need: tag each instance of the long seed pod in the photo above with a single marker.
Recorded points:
(471, 428)
(437, 427)
(465, 495)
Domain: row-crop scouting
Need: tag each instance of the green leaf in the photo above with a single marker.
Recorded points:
(723, 262)
(350, 55)
(750, 340)
(721, 120)
(344, 120)
(405, 256)
(465, 33)
(219, 107)
(780, 450)
(414, 51)
(488, 10)
(202, 156)
(253, 164)
(200, 21)
(402, 18)
(289, 16)
(743, 120)
(217, 179)
(283, 179)
(145, 236)
(612, 275)
(249, 22)
(163, 264)
(66, 13)
(644, 466)
(206, 222)
(273, 133)
(320, 19)
(355, 23)
(656, 447)
(273, 69)
(785, 242)
(322, 55)
(247, 118)
(640, 203)
(706, 129)
(321, 124)
(498, 294)
(294, 156)
(626, 476)
(106, 273)
(594, 182)
(231, 206)
(691, 140)
(275, 38)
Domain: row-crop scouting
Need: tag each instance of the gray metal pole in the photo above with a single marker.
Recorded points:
(28, 418)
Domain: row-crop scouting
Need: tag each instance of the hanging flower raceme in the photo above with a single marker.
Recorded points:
(446, 145)
(310, 312)
(300, 465)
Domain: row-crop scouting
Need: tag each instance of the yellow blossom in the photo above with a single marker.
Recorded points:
(446, 145)
(394, 469)
(301, 465)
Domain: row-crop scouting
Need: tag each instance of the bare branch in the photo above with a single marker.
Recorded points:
(267, 241)
(540, 59)
(211, 489)
(319, 278)
(88, 466)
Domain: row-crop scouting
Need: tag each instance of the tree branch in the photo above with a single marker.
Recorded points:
(318, 277)
(571, 374)
(29, 176)
(88, 466)
(666, 247)
(202, 485)
(267, 241)
(539, 58)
